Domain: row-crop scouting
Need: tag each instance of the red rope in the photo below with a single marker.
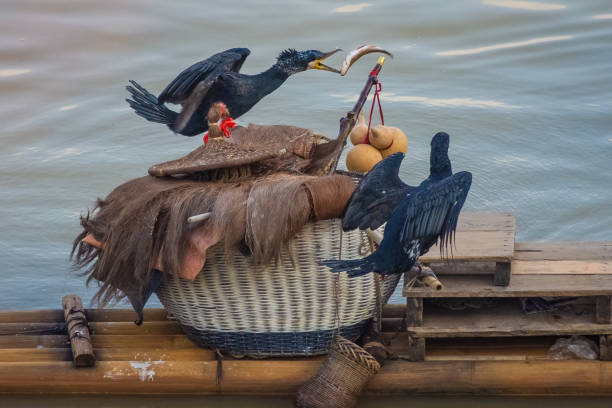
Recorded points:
(375, 99)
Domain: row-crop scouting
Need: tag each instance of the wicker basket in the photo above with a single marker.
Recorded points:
(287, 309)
(341, 379)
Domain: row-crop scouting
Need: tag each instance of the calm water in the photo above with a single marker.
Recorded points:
(524, 89)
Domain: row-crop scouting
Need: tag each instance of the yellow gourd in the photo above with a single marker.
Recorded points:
(400, 143)
(381, 136)
(362, 158)
(359, 132)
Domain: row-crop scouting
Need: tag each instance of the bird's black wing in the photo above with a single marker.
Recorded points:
(191, 104)
(181, 87)
(376, 196)
(434, 210)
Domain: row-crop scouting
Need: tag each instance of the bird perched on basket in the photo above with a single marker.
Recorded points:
(417, 217)
(217, 79)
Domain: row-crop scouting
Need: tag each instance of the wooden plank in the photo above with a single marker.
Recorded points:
(113, 354)
(470, 220)
(561, 267)
(451, 267)
(285, 376)
(605, 348)
(445, 349)
(563, 251)
(493, 246)
(520, 286)
(481, 236)
(603, 309)
(161, 327)
(505, 319)
(93, 315)
(503, 273)
(414, 311)
(145, 342)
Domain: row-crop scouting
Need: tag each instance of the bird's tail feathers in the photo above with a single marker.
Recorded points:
(353, 267)
(145, 105)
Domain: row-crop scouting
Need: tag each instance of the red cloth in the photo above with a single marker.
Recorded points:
(226, 126)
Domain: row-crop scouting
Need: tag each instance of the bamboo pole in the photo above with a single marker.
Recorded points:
(144, 342)
(159, 327)
(283, 377)
(120, 315)
(30, 355)
(78, 332)
(93, 315)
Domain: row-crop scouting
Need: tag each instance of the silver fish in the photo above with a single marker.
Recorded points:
(358, 53)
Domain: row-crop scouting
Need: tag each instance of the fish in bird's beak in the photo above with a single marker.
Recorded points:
(359, 52)
(317, 64)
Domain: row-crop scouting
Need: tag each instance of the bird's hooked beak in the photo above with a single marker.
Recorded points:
(317, 64)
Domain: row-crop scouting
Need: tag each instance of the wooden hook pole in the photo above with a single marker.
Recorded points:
(78, 331)
(347, 123)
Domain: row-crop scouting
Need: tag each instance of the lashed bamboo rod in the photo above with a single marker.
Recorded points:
(93, 315)
(120, 315)
(100, 328)
(434, 353)
(159, 327)
(102, 354)
(285, 376)
(145, 342)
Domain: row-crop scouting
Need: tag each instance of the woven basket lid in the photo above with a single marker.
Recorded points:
(248, 145)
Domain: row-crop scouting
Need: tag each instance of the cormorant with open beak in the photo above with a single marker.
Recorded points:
(216, 79)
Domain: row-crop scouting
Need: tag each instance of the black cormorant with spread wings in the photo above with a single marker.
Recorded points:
(417, 217)
(216, 79)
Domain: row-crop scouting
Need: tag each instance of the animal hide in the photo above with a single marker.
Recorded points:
(142, 225)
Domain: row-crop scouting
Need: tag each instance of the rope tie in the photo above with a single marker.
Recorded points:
(375, 99)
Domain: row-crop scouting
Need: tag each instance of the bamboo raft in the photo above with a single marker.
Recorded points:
(497, 350)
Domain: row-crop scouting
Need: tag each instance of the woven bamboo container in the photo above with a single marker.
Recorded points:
(290, 308)
(341, 379)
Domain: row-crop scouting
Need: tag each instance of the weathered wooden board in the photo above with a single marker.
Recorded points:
(481, 236)
(283, 377)
(521, 286)
(561, 267)
(445, 349)
(506, 319)
(563, 251)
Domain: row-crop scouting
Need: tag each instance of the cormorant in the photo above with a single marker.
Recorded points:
(417, 217)
(216, 79)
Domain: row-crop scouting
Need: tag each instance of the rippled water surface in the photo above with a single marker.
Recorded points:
(524, 88)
